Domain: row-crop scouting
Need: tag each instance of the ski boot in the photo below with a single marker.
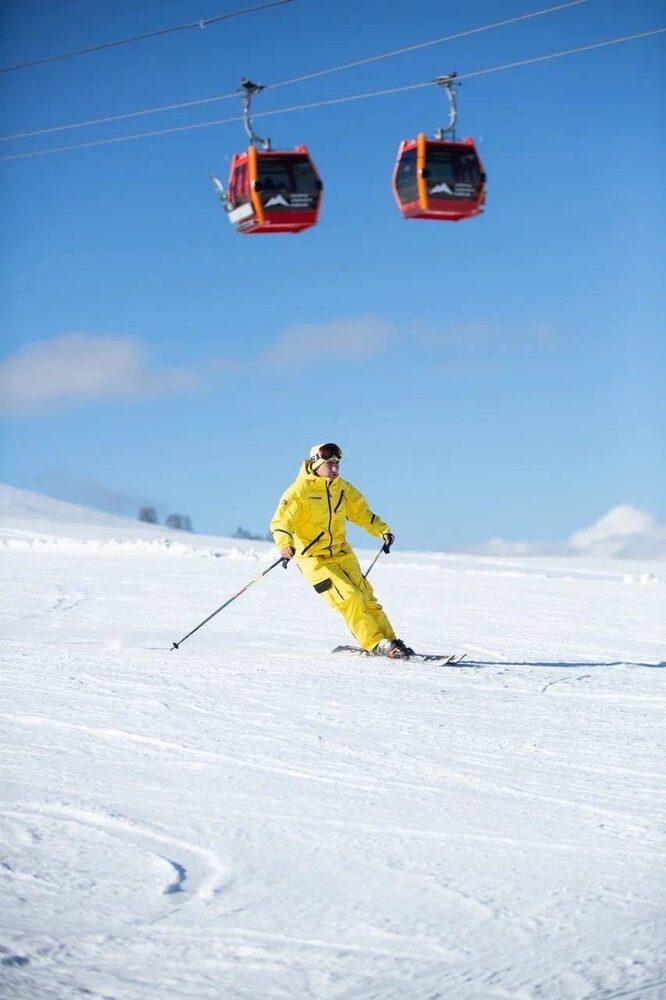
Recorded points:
(395, 649)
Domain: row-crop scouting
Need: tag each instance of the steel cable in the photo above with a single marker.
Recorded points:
(336, 100)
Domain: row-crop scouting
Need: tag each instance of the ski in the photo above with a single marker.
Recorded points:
(443, 659)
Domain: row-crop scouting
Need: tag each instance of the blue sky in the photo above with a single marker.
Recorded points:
(498, 377)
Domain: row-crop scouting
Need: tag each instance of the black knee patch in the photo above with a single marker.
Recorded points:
(324, 585)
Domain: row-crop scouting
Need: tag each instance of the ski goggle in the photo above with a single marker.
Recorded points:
(328, 453)
(325, 453)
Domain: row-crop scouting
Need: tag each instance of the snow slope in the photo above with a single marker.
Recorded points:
(250, 817)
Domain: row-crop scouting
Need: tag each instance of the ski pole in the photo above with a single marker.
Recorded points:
(386, 547)
(285, 563)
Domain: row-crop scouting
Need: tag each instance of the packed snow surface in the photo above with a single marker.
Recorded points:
(251, 817)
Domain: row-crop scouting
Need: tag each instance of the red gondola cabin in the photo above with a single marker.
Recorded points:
(273, 192)
(439, 179)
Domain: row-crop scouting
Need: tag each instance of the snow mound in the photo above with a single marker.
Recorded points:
(22, 505)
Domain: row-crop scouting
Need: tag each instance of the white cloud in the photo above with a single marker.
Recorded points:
(465, 346)
(624, 532)
(486, 337)
(505, 547)
(76, 367)
(345, 339)
(618, 522)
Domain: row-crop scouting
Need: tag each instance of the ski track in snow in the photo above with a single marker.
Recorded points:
(249, 817)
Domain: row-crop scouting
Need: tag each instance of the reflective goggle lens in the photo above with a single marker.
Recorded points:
(329, 453)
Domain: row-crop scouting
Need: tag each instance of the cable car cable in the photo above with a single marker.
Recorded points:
(337, 100)
(298, 79)
(428, 44)
(201, 23)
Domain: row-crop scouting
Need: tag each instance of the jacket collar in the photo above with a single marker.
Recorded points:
(318, 482)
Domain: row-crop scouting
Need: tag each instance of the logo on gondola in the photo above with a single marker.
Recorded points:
(441, 188)
(277, 199)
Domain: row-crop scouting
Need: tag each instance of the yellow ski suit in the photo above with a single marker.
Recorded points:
(311, 517)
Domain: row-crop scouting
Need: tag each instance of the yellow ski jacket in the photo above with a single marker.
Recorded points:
(312, 514)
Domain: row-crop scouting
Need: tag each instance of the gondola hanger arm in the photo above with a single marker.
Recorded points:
(247, 90)
(449, 83)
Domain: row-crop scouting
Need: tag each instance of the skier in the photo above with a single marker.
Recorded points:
(309, 525)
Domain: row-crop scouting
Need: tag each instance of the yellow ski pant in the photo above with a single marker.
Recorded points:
(340, 581)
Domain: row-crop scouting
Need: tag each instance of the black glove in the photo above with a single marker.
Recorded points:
(388, 541)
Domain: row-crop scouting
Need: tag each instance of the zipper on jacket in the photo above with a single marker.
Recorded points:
(330, 515)
(313, 542)
(339, 502)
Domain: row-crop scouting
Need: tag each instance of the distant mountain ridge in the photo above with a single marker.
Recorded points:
(624, 532)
